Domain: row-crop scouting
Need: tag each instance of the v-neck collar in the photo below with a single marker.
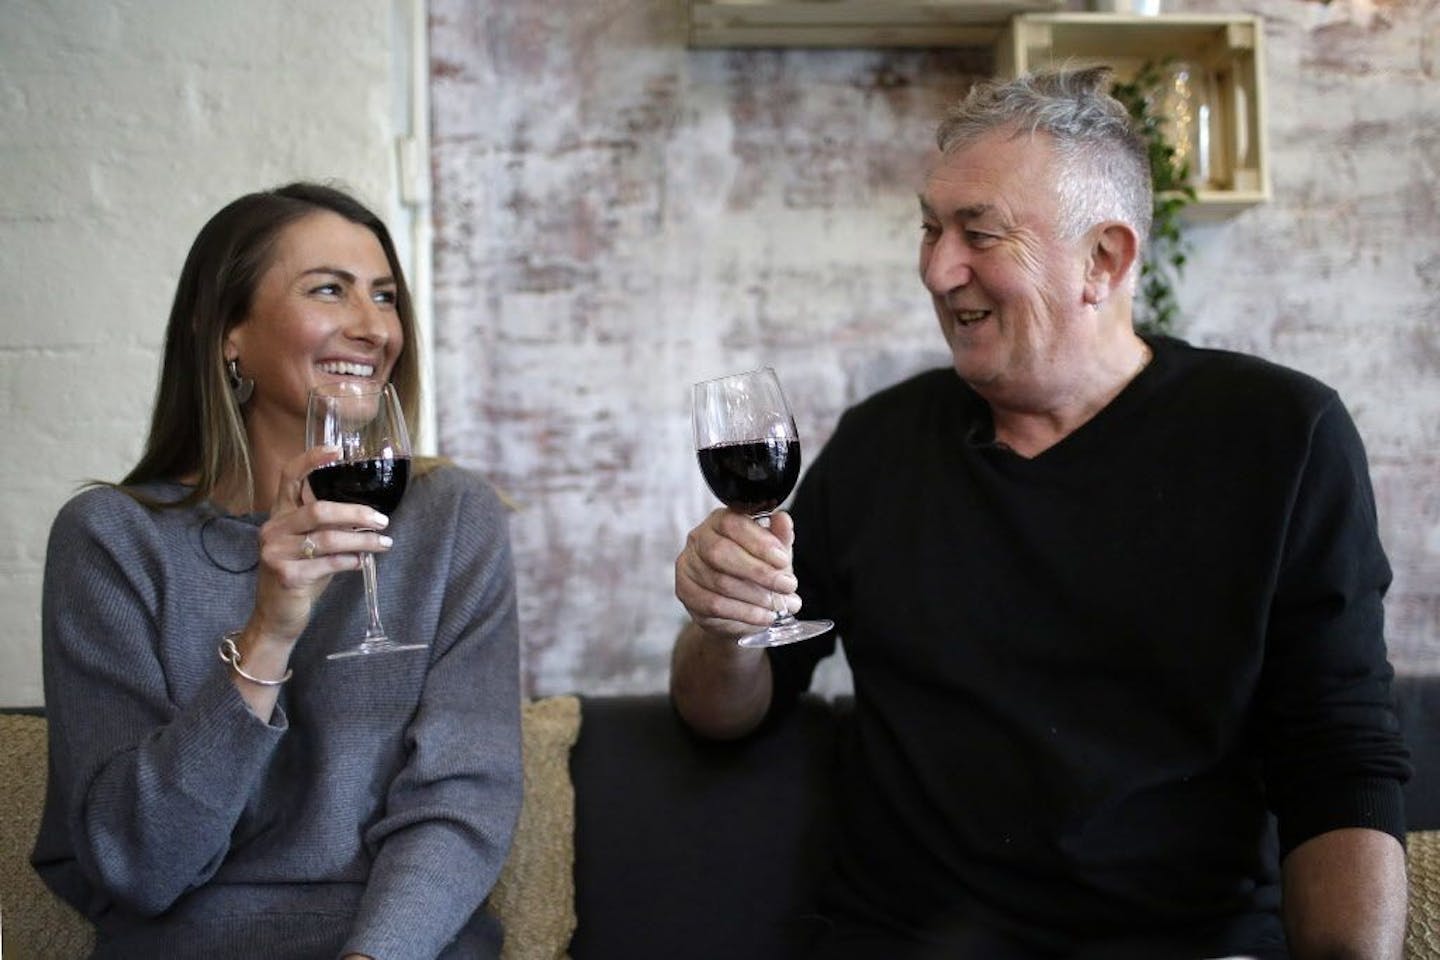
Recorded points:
(1093, 434)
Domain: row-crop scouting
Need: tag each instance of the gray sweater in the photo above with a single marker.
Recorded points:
(372, 814)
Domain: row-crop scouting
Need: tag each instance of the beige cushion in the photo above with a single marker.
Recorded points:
(1422, 940)
(534, 897)
(37, 924)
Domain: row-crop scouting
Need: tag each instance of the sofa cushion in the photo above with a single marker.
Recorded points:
(535, 895)
(533, 898)
(36, 923)
(695, 849)
(1422, 850)
(1417, 705)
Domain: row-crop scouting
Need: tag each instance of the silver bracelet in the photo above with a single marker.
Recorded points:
(231, 655)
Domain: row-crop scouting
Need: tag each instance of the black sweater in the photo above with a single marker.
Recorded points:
(1082, 679)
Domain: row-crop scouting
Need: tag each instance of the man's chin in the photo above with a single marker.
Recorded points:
(974, 363)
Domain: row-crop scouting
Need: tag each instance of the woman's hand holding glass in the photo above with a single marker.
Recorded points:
(303, 544)
(306, 542)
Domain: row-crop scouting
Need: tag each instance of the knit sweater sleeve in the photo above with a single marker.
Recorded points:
(1333, 755)
(450, 812)
(145, 785)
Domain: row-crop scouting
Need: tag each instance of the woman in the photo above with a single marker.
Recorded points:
(267, 801)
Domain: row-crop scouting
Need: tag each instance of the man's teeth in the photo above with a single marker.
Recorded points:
(970, 316)
(347, 369)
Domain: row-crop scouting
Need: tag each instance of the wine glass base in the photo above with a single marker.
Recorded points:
(789, 632)
(370, 647)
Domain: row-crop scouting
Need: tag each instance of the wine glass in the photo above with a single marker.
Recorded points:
(749, 454)
(365, 422)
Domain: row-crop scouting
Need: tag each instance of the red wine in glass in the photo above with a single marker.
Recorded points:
(749, 453)
(377, 482)
(752, 476)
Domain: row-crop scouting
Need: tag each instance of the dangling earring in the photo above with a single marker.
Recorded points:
(242, 387)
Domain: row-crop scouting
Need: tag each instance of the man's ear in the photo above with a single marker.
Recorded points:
(1114, 252)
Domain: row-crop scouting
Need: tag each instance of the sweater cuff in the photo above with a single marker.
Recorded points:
(1375, 804)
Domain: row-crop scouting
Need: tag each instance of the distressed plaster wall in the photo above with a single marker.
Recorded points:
(1340, 275)
(617, 216)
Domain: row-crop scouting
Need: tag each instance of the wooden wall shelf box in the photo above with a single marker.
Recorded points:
(854, 23)
(1224, 51)
(1228, 51)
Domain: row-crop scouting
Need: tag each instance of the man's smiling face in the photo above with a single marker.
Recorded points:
(1006, 280)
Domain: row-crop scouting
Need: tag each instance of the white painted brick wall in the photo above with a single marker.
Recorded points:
(123, 126)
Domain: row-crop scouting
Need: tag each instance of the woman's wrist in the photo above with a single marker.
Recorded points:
(263, 658)
(260, 636)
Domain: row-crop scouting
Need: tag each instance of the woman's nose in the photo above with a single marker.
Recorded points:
(369, 321)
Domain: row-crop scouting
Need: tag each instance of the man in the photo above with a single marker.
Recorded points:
(1106, 600)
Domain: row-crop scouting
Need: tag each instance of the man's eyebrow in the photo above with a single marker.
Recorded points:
(972, 212)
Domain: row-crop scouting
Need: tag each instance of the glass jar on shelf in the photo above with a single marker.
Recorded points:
(1184, 100)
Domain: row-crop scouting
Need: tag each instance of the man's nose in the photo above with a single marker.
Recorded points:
(946, 266)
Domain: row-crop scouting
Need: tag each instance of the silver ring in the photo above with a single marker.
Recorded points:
(307, 549)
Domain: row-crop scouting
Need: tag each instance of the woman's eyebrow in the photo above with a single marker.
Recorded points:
(347, 276)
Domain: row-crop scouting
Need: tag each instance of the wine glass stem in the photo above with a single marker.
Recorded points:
(372, 597)
(782, 616)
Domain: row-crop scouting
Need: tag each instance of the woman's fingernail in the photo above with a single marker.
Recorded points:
(386, 541)
(379, 521)
(779, 557)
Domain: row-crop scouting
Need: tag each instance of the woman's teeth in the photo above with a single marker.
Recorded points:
(967, 317)
(346, 369)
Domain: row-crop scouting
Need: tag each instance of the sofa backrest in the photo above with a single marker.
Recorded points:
(1417, 705)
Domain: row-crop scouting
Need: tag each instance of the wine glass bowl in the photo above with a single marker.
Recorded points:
(377, 482)
(751, 476)
(749, 454)
(366, 424)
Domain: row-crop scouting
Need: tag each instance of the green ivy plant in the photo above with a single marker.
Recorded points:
(1156, 308)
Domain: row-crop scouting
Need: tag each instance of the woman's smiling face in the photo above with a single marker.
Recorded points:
(324, 310)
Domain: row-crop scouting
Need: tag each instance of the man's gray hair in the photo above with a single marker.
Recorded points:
(1105, 162)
